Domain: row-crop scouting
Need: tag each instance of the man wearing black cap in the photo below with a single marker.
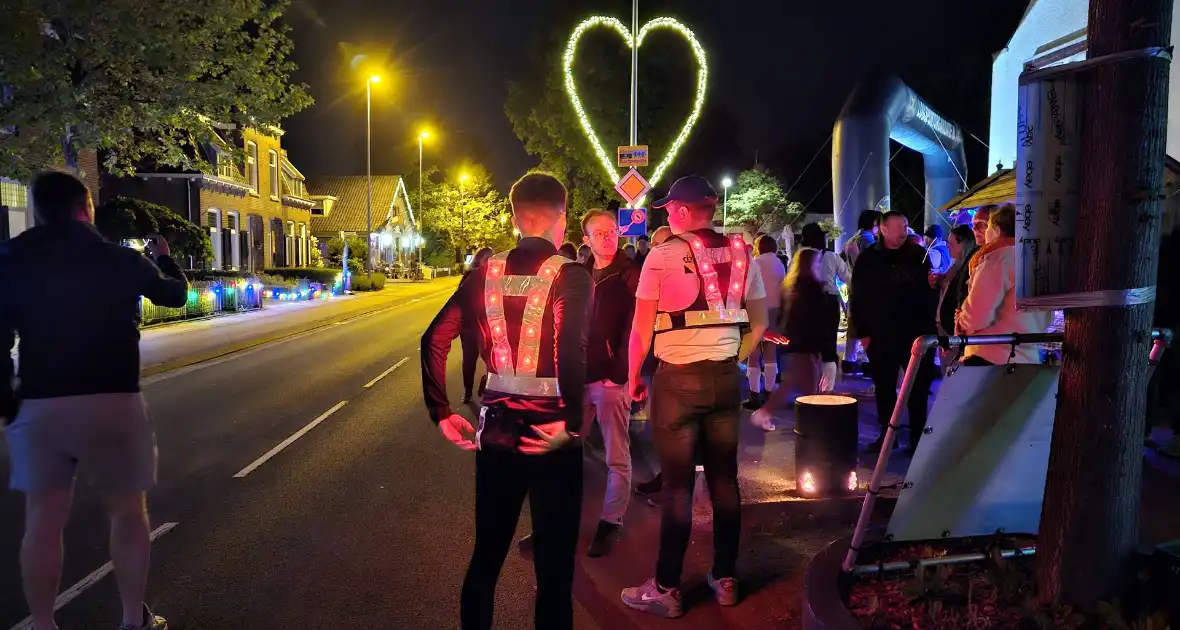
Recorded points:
(697, 292)
(530, 306)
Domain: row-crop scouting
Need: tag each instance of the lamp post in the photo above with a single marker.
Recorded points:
(725, 184)
(421, 208)
(369, 168)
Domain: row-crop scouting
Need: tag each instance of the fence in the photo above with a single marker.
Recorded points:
(206, 299)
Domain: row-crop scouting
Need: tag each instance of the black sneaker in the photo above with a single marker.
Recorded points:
(151, 621)
(604, 539)
(648, 488)
(754, 402)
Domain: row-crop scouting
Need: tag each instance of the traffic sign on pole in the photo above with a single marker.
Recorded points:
(632, 222)
(632, 186)
(635, 155)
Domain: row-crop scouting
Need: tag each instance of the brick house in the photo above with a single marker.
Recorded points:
(257, 210)
(341, 206)
(16, 213)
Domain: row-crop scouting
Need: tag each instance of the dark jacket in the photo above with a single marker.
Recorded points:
(610, 319)
(808, 321)
(562, 348)
(73, 299)
(956, 292)
(890, 299)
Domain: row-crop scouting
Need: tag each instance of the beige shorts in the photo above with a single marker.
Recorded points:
(106, 439)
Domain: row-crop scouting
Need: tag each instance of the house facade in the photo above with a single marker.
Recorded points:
(256, 209)
(341, 205)
(16, 214)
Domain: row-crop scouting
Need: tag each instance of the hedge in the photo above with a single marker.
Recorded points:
(323, 275)
(370, 282)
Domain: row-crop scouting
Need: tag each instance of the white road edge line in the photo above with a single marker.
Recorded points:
(289, 441)
(386, 372)
(74, 591)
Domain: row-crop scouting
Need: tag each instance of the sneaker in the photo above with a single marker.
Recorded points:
(650, 487)
(649, 599)
(466, 399)
(724, 589)
(151, 621)
(754, 402)
(763, 420)
(604, 539)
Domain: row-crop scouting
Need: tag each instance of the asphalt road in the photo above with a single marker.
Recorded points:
(365, 520)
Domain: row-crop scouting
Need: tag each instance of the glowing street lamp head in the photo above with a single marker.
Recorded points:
(374, 79)
(424, 135)
(727, 182)
(463, 178)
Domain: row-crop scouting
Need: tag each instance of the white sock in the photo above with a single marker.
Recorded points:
(755, 376)
(770, 371)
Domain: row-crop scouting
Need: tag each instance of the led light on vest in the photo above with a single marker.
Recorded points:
(532, 332)
(498, 330)
(706, 267)
(492, 299)
(739, 264)
(536, 300)
(737, 285)
(712, 287)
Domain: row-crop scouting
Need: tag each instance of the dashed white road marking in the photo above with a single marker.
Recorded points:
(386, 372)
(74, 591)
(289, 441)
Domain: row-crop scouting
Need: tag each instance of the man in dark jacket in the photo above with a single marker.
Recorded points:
(530, 305)
(615, 280)
(891, 304)
(73, 299)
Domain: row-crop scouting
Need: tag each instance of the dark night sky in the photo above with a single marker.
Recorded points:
(779, 72)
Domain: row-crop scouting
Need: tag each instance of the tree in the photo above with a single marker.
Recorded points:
(759, 203)
(1089, 521)
(464, 211)
(315, 258)
(139, 81)
(358, 250)
(126, 218)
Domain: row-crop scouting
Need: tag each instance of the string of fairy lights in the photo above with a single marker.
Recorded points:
(571, 88)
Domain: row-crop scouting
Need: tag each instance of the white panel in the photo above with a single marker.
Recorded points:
(982, 466)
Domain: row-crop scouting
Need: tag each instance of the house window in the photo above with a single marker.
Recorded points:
(225, 166)
(290, 243)
(213, 222)
(229, 241)
(274, 174)
(252, 163)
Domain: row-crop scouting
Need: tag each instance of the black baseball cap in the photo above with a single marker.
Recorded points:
(690, 189)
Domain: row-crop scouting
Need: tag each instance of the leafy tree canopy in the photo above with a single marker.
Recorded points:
(126, 218)
(140, 81)
(759, 203)
(463, 211)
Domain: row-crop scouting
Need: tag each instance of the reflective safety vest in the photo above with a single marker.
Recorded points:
(519, 378)
(718, 269)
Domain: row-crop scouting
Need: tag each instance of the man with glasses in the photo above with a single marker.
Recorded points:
(615, 279)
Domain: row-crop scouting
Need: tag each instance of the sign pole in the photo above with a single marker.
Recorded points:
(634, 72)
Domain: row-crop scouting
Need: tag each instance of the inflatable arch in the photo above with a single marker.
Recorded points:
(877, 111)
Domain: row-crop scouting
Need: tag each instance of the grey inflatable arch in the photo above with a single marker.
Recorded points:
(877, 111)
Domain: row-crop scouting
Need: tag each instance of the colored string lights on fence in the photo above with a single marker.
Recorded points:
(571, 88)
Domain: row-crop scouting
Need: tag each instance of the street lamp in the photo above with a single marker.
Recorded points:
(421, 208)
(369, 168)
(725, 184)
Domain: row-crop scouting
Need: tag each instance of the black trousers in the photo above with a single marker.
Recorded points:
(470, 344)
(694, 408)
(885, 363)
(1163, 397)
(553, 484)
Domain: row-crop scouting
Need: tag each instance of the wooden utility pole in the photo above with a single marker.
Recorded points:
(1090, 519)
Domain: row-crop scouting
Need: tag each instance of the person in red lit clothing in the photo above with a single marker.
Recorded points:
(531, 306)
(696, 293)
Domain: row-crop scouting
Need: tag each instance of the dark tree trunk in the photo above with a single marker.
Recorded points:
(1090, 519)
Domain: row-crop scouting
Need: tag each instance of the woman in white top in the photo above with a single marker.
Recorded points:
(762, 366)
(990, 307)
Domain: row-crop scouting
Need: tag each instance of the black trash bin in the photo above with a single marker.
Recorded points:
(826, 432)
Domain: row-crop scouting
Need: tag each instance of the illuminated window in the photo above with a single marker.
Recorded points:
(225, 166)
(274, 174)
(252, 164)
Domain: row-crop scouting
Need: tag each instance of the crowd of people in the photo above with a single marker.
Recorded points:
(671, 327)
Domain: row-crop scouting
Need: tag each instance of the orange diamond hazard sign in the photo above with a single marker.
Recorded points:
(632, 186)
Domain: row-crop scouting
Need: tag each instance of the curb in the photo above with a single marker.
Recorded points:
(191, 360)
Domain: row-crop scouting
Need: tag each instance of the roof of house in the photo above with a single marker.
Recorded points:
(349, 212)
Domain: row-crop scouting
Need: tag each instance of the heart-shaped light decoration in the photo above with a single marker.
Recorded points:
(571, 88)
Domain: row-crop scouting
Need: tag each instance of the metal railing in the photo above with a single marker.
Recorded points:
(1161, 338)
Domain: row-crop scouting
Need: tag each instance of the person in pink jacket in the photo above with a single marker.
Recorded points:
(990, 307)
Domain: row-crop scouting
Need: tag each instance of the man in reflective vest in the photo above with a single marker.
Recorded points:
(531, 307)
(697, 292)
